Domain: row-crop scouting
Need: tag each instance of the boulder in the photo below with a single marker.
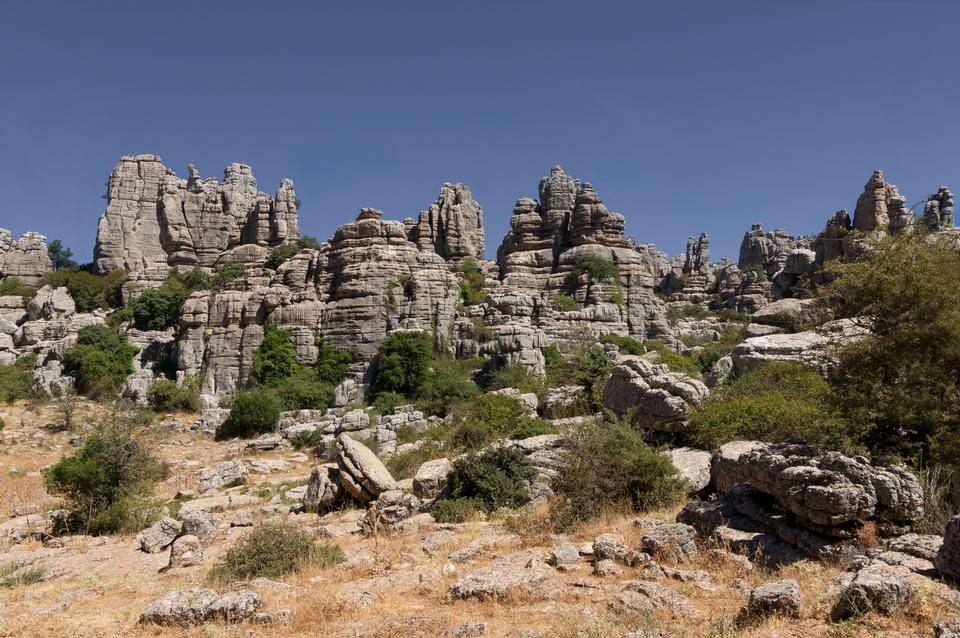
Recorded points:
(159, 536)
(947, 559)
(186, 551)
(693, 466)
(201, 526)
(225, 474)
(362, 475)
(194, 607)
(659, 398)
(781, 598)
(876, 588)
(672, 542)
(497, 582)
(431, 478)
(323, 491)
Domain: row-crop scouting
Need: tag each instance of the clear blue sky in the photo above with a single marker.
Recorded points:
(686, 116)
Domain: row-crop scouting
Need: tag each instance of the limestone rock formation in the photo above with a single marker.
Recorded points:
(26, 258)
(764, 249)
(155, 220)
(659, 398)
(453, 225)
(881, 207)
(938, 211)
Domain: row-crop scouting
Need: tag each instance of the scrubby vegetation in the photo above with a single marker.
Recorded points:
(107, 483)
(167, 396)
(588, 366)
(284, 252)
(516, 376)
(610, 467)
(402, 364)
(496, 478)
(89, 291)
(273, 549)
(159, 308)
(458, 510)
(563, 303)
(597, 269)
(14, 287)
(627, 345)
(471, 283)
(100, 361)
(16, 381)
(253, 412)
(487, 418)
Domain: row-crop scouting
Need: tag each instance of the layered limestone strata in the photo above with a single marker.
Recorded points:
(25, 258)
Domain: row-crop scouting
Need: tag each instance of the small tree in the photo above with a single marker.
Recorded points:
(497, 478)
(156, 309)
(596, 269)
(100, 361)
(276, 358)
(403, 363)
(253, 412)
(60, 256)
(472, 282)
(332, 363)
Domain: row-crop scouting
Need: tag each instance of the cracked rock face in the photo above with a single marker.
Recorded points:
(660, 399)
(453, 225)
(26, 258)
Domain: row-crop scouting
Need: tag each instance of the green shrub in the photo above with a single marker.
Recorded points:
(108, 481)
(596, 269)
(228, 276)
(284, 252)
(627, 345)
(447, 383)
(16, 381)
(60, 256)
(167, 396)
(531, 427)
(89, 291)
(731, 315)
(302, 391)
(458, 510)
(307, 439)
(776, 401)
(471, 283)
(274, 549)
(332, 363)
(405, 465)
(403, 362)
(563, 303)
(156, 309)
(276, 358)
(588, 366)
(14, 287)
(690, 311)
(471, 435)
(387, 402)
(485, 419)
(673, 359)
(516, 376)
(610, 467)
(253, 412)
(100, 361)
(496, 478)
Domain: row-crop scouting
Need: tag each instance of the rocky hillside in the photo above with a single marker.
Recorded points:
(385, 433)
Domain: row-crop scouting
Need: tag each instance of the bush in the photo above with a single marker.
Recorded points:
(596, 268)
(447, 383)
(531, 427)
(332, 363)
(302, 391)
(100, 361)
(405, 465)
(563, 303)
(403, 362)
(107, 481)
(274, 549)
(627, 345)
(14, 287)
(497, 478)
(458, 510)
(167, 396)
(471, 283)
(484, 419)
(228, 276)
(387, 402)
(588, 366)
(16, 381)
(307, 439)
(516, 376)
(253, 412)
(673, 359)
(777, 401)
(610, 467)
(690, 311)
(89, 291)
(284, 252)
(276, 357)
(156, 309)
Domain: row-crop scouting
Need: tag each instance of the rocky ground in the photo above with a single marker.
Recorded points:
(510, 576)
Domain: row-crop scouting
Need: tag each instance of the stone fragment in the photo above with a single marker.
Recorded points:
(431, 478)
(159, 536)
(194, 607)
(186, 551)
(497, 583)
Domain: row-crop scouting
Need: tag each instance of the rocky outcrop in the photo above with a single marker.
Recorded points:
(938, 211)
(812, 347)
(658, 398)
(155, 220)
(453, 225)
(362, 475)
(881, 207)
(947, 558)
(26, 258)
(193, 607)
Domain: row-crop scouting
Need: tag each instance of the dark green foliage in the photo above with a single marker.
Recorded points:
(228, 276)
(596, 268)
(403, 363)
(156, 309)
(276, 358)
(253, 412)
(302, 391)
(485, 419)
(332, 363)
(627, 345)
(284, 252)
(729, 314)
(307, 439)
(458, 510)
(274, 549)
(16, 381)
(516, 376)
(497, 478)
(610, 467)
(107, 482)
(531, 427)
(60, 256)
(405, 465)
(471, 282)
(14, 287)
(387, 402)
(167, 396)
(447, 383)
(563, 303)
(673, 359)
(89, 291)
(710, 351)
(690, 311)
(776, 401)
(588, 366)
(100, 361)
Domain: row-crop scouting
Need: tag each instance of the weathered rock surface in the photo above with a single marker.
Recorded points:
(25, 258)
(876, 588)
(659, 398)
(159, 536)
(453, 225)
(497, 582)
(225, 474)
(947, 558)
(693, 466)
(196, 606)
(362, 475)
(780, 597)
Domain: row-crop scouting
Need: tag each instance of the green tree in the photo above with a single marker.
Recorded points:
(89, 291)
(332, 363)
(596, 269)
(60, 256)
(403, 361)
(276, 358)
(156, 309)
(100, 361)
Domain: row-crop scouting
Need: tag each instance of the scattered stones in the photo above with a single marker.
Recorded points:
(606, 567)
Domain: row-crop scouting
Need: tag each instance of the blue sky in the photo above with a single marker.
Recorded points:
(686, 116)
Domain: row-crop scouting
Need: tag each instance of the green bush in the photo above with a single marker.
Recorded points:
(302, 391)
(690, 311)
(776, 401)
(673, 359)
(627, 345)
(89, 291)
(108, 481)
(228, 276)
(167, 396)
(403, 362)
(100, 361)
(588, 366)
(405, 465)
(307, 439)
(274, 549)
(516, 376)
(156, 309)
(284, 252)
(16, 381)
(596, 269)
(458, 510)
(485, 419)
(563, 303)
(531, 427)
(253, 412)
(471, 282)
(332, 363)
(610, 467)
(276, 357)
(447, 383)
(387, 402)
(14, 287)
(496, 478)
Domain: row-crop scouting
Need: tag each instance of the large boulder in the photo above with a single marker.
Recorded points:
(194, 607)
(658, 398)
(323, 491)
(948, 557)
(781, 597)
(693, 466)
(878, 588)
(431, 478)
(362, 475)
(159, 536)
(225, 474)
